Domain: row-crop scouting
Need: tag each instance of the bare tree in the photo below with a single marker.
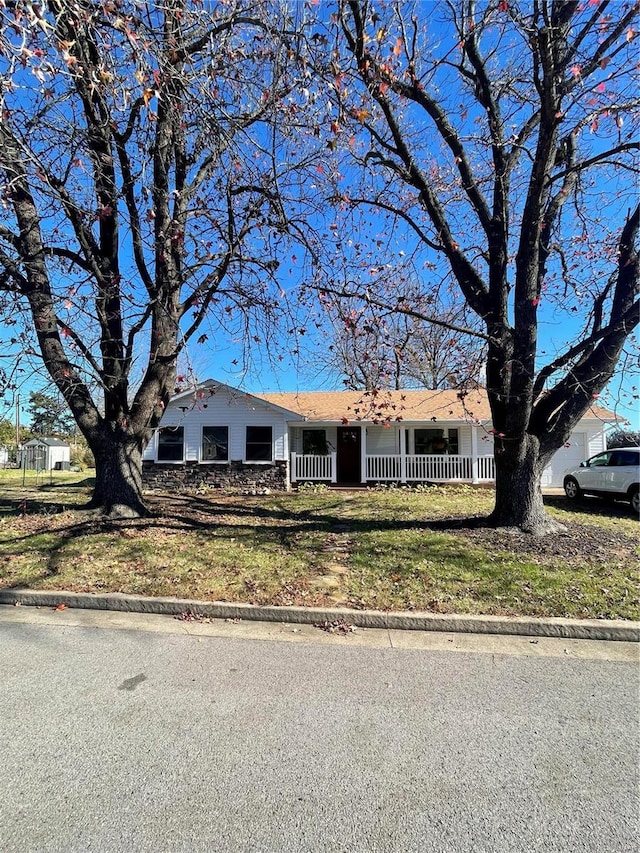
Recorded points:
(374, 349)
(143, 156)
(499, 139)
(623, 438)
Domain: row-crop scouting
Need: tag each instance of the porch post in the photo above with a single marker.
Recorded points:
(334, 467)
(294, 479)
(363, 454)
(475, 473)
(403, 455)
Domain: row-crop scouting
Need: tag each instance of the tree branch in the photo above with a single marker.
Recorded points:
(401, 308)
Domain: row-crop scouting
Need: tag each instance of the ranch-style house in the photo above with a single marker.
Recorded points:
(225, 437)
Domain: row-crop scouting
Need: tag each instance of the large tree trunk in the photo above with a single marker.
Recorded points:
(118, 488)
(519, 503)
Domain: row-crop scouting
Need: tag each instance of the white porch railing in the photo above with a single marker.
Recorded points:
(307, 467)
(381, 468)
(439, 468)
(486, 468)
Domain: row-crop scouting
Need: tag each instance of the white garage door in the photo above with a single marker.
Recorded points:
(569, 456)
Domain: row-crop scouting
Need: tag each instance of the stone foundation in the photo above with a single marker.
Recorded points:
(233, 477)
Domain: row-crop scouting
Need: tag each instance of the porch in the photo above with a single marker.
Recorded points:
(397, 468)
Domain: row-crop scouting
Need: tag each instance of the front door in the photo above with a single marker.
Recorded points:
(348, 455)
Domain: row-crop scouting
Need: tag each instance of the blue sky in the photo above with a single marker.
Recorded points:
(273, 366)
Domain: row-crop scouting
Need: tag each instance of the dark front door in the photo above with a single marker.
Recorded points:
(348, 455)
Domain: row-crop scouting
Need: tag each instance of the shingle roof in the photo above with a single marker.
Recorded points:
(50, 442)
(383, 405)
(409, 405)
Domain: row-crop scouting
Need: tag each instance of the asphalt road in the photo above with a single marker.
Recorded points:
(150, 740)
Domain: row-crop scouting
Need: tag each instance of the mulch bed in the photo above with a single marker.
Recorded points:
(580, 542)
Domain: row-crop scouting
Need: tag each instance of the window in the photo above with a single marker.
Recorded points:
(259, 444)
(427, 441)
(314, 442)
(599, 461)
(625, 458)
(430, 441)
(215, 444)
(171, 444)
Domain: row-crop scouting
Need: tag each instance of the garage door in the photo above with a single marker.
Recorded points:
(569, 456)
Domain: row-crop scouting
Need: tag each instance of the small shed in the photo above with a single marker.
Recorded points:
(45, 454)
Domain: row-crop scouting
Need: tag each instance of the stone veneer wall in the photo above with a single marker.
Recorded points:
(233, 477)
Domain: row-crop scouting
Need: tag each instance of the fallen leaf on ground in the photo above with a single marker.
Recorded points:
(190, 616)
(336, 626)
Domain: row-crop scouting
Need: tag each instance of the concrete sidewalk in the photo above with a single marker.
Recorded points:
(524, 626)
(322, 635)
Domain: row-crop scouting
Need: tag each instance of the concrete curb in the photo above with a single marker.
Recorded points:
(577, 629)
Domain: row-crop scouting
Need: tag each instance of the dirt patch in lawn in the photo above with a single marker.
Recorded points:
(582, 542)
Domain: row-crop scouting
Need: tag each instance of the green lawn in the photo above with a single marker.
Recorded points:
(387, 549)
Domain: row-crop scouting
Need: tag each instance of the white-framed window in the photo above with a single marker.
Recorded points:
(259, 444)
(171, 444)
(215, 444)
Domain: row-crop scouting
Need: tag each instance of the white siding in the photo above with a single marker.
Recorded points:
(58, 454)
(236, 411)
(585, 441)
(464, 440)
(568, 457)
(222, 409)
(485, 440)
(596, 439)
(381, 440)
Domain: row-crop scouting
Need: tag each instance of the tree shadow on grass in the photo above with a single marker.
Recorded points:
(87, 483)
(195, 513)
(22, 507)
(23, 501)
(591, 506)
(281, 526)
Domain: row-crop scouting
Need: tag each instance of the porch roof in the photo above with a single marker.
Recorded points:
(406, 405)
